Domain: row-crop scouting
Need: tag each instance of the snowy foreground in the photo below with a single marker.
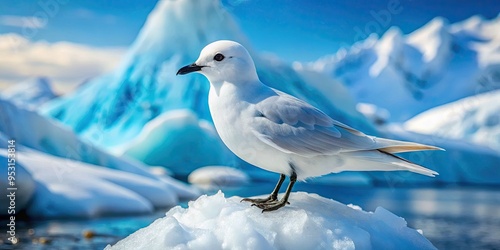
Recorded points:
(310, 222)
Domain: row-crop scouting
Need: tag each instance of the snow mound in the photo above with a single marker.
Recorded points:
(309, 222)
(30, 94)
(475, 119)
(216, 176)
(408, 74)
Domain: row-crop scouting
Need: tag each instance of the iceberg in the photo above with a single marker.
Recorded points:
(60, 191)
(183, 129)
(51, 137)
(309, 222)
(475, 119)
(119, 110)
(52, 160)
(67, 188)
(414, 72)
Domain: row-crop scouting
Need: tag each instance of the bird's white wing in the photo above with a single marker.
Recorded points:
(294, 126)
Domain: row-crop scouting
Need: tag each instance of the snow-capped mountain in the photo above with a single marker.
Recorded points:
(30, 94)
(407, 74)
(475, 119)
(112, 111)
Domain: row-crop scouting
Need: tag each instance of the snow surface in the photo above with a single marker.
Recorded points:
(30, 94)
(67, 188)
(475, 119)
(408, 74)
(110, 111)
(216, 176)
(309, 222)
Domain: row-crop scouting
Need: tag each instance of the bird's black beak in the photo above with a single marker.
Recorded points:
(188, 69)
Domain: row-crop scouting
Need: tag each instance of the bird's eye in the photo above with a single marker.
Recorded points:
(219, 57)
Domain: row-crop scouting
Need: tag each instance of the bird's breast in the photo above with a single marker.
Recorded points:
(233, 117)
(228, 116)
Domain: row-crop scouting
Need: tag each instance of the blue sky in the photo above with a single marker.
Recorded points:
(283, 27)
(70, 41)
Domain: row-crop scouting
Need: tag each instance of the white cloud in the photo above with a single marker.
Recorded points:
(23, 21)
(65, 64)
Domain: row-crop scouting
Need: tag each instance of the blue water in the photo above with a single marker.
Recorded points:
(450, 217)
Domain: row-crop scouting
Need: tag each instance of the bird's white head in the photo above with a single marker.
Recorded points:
(223, 61)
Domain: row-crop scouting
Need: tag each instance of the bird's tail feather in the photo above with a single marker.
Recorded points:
(394, 146)
(378, 160)
(410, 166)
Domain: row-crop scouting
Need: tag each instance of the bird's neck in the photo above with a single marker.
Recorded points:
(228, 88)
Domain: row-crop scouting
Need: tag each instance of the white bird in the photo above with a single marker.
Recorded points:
(280, 133)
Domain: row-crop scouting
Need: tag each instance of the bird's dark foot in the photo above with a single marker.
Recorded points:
(256, 201)
(271, 206)
(272, 203)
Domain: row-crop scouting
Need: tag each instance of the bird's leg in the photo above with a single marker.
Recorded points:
(271, 206)
(272, 197)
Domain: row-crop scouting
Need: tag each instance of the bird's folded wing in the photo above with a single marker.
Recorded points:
(293, 126)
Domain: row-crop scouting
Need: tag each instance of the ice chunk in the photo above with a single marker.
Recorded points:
(211, 176)
(309, 222)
